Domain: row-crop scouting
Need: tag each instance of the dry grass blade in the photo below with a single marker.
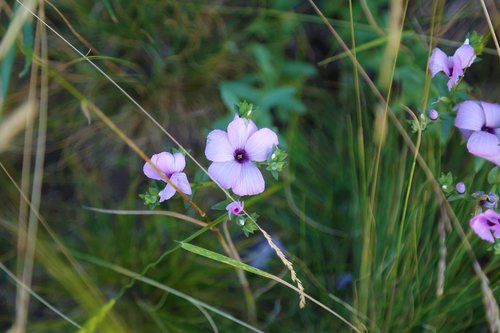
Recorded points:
(149, 212)
(15, 123)
(490, 25)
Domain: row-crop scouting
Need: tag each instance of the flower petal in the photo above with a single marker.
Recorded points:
(163, 161)
(456, 72)
(438, 62)
(166, 193)
(466, 54)
(250, 181)
(181, 181)
(260, 144)
(470, 116)
(485, 145)
(218, 148)
(491, 114)
(479, 224)
(179, 162)
(239, 130)
(225, 173)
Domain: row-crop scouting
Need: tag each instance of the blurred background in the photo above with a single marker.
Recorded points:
(385, 263)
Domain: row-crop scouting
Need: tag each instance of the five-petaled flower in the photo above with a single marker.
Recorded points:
(453, 66)
(487, 225)
(171, 165)
(479, 123)
(235, 207)
(234, 152)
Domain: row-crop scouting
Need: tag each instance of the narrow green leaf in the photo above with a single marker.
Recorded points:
(223, 259)
(93, 322)
(6, 69)
(28, 42)
(494, 175)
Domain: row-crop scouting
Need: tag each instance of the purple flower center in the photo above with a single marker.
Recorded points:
(240, 155)
(488, 129)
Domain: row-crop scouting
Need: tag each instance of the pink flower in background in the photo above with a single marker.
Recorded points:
(454, 65)
(479, 123)
(235, 207)
(171, 165)
(487, 225)
(234, 152)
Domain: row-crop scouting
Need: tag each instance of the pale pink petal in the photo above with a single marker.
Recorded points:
(167, 193)
(438, 62)
(260, 144)
(181, 181)
(163, 161)
(466, 54)
(235, 207)
(218, 148)
(491, 114)
(484, 144)
(456, 72)
(239, 130)
(225, 173)
(470, 116)
(179, 162)
(486, 223)
(250, 181)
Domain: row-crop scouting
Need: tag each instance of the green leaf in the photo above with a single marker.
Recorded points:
(28, 41)
(6, 69)
(93, 322)
(223, 259)
(220, 205)
(494, 176)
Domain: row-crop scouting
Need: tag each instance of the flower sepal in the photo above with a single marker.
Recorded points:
(151, 196)
(245, 109)
(276, 161)
(247, 225)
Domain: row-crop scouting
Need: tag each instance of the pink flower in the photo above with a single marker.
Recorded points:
(235, 207)
(452, 66)
(171, 165)
(487, 225)
(479, 123)
(233, 155)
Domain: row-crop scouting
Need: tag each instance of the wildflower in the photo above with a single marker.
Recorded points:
(460, 187)
(235, 207)
(489, 200)
(453, 66)
(233, 155)
(433, 114)
(171, 165)
(487, 225)
(479, 123)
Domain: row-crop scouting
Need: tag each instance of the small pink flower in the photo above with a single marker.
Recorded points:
(487, 225)
(171, 165)
(454, 65)
(234, 152)
(235, 207)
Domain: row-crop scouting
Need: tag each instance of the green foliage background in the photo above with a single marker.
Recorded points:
(188, 63)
